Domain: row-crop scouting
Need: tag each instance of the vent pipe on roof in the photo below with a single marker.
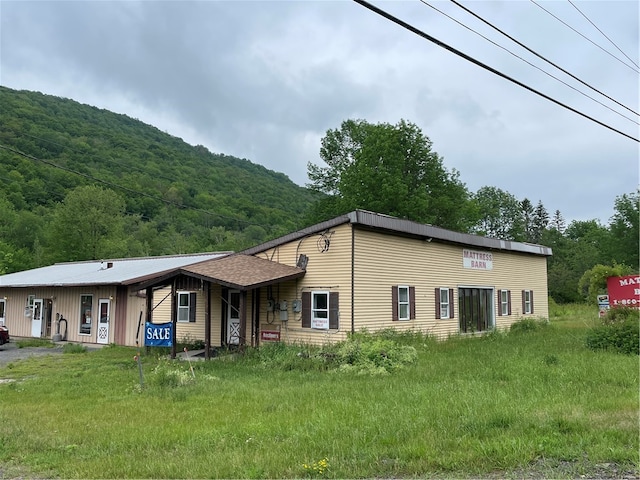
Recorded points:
(109, 264)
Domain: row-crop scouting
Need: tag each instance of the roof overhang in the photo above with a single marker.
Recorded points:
(240, 272)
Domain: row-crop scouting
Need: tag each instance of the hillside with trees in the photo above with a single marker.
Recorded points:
(82, 183)
(73, 172)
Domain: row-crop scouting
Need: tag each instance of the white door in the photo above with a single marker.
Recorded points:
(104, 307)
(3, 306)
(233, 318)
(36, 318)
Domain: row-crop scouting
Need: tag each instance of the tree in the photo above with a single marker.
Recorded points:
(557, 222)
(527, 219)
(540, 222)
(88, 225)
(500, 214)
(389, 169)
(625, 232)
(594, 281)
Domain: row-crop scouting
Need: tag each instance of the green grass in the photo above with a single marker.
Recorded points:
(496, 405)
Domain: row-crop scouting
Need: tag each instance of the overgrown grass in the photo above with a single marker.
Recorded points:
(465, 407)
(35, 342)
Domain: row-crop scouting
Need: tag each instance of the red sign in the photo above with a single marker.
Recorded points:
(270, 335)
(624, 291)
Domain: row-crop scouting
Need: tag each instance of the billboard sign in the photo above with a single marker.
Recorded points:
(624, 291)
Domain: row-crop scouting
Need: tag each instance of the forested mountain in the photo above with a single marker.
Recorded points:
(176, 198)
(78, 183)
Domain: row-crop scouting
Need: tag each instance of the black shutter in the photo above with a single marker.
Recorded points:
(509, 302)
(306, 309)
(499, 303)
(523, 302)
(451, 309)
(412, 303)
(394, 303)
(531, 299)
(192, 306)
(334, 310)
(437, 303)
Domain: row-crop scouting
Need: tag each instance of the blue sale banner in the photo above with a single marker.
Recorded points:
(158, 334)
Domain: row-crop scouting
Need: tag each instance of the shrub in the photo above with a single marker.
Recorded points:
(620, 336)
(74, 348)
(527, 325)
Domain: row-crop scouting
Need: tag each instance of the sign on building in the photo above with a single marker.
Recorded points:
(477, 260)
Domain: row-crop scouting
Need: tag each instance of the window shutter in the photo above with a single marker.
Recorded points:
(531, 299)
(499, 303)
(437, 303)
(412, 303)
(451, 307)
(334, 310)
(192, 306)
(394, 303)
(523, 303)
(306, 309)
(509, 301)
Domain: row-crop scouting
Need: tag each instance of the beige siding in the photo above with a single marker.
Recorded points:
(384, 260)
(329, 270)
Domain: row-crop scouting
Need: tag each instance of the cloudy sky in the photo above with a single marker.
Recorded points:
(266, 80)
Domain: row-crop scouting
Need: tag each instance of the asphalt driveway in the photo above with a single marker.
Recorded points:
(9, 352)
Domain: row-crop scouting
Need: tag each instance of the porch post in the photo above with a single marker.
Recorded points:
(207, 318)
(243, 317)
(174, 317)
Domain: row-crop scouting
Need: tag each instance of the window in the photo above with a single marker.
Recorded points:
(444, 303)
(504, 302)
(403, 300)
(320, 310)
(527, 302)
(86, 308)
(186, 307)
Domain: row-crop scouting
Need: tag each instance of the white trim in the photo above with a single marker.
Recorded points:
(406, 303)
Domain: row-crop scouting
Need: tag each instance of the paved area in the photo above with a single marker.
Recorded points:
(9, 352)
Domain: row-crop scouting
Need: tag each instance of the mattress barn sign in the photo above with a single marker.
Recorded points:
(477, 260)
(624, 291)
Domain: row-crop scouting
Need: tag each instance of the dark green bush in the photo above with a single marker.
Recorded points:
(621, 336)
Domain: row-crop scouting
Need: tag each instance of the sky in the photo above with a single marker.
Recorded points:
(266, 80)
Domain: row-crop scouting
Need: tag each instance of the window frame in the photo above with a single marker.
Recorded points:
(333, 298)
(505, 303)
(445, 311)
(189, 308)
(85, 325)
(527, 302)
(318, 322)
(404, 303)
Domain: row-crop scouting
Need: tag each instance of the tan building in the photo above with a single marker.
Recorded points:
(358, 271)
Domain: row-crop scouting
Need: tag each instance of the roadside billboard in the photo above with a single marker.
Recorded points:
(624, 291)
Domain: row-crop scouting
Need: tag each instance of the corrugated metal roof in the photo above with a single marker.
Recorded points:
(398, 226)
(102, 272)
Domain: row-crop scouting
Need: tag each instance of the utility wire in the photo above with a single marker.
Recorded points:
(529, 63)
(594, 26)
(545, 59)
(428, 37)
(583, 36)
(126, 189)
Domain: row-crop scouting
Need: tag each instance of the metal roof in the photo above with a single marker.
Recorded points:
(398, 226)
(121, 271)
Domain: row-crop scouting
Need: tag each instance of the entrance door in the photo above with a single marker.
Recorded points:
(36, 318)
(104, 308)
(476, 309)
(233, 318)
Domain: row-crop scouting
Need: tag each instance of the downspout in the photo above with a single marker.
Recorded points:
(353, 277)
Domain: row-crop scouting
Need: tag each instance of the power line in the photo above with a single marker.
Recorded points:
(428, 37)
(546, 60)
(583, 36)
(594, 25)
(129, 190)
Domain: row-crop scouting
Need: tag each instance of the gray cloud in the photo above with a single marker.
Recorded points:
(265, 80)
